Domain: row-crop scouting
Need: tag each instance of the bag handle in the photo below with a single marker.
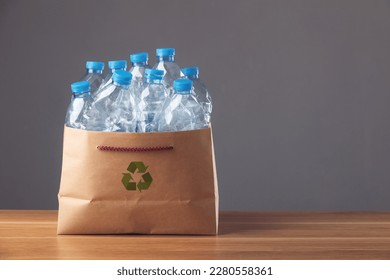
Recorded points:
(133, 149)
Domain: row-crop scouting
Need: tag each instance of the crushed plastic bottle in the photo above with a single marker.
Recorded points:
(79, 104)
(201, 93)
(94, 75)
(114, 108)
(152, 100)
(183, 112)
(139, 63)
(166, 63)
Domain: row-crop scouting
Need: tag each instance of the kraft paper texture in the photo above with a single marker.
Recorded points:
(178, 196)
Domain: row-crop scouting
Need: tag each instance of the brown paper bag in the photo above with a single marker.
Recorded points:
(150, 183)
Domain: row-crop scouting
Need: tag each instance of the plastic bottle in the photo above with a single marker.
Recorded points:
(139, 63)
(94, 75)
(183, 112)
(200, 91)
(114, 107)
(166, 63)
(79, 104)
(151, 101)
(113, 65)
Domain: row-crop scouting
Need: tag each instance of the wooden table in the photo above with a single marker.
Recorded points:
(253, 235)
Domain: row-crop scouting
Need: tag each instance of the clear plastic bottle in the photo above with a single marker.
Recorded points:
(94, 75)
(139, 63)
(166, 62)
(114, 107)
(201, 93)
(113, 65)
(151, 101)
(79, 104)
(183, 112)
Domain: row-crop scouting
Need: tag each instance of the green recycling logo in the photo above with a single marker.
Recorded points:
(129, 182)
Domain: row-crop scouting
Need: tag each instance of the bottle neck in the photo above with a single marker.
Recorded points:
(192, 77)
(170, 58)
(94, 71)
(81, 94)
(121, 85)
(153, 81)
(183, 92)
(139, 64)
(112, 71)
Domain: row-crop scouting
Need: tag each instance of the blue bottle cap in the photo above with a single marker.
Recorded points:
(79, 87)
(165, 52)
(95, 65)
(190, 71)
(122, 77)
(154, 74)
(182, 85)
(139, 57)
(117, 64)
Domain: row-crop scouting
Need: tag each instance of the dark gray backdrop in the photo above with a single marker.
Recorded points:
(301, 92)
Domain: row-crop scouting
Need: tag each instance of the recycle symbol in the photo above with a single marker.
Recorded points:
(128, 180)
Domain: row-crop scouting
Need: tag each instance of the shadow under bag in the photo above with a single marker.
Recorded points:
(148, 183)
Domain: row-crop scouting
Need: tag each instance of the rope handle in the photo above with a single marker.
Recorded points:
(133, 149)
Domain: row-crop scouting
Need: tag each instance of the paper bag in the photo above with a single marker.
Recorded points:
(148, 183)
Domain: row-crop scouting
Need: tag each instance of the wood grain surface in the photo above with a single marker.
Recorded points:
(243, 235)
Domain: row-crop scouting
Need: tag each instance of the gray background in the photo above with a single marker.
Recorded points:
(301, 93)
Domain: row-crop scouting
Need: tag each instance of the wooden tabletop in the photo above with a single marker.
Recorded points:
(243, 235)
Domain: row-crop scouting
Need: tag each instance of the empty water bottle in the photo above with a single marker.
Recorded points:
(139, 63)
(200, 90)
(182, 112)
(94, 75)
(166, 63)
(114, 106)
(151, 101)
(79, 104)
(113, 65)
